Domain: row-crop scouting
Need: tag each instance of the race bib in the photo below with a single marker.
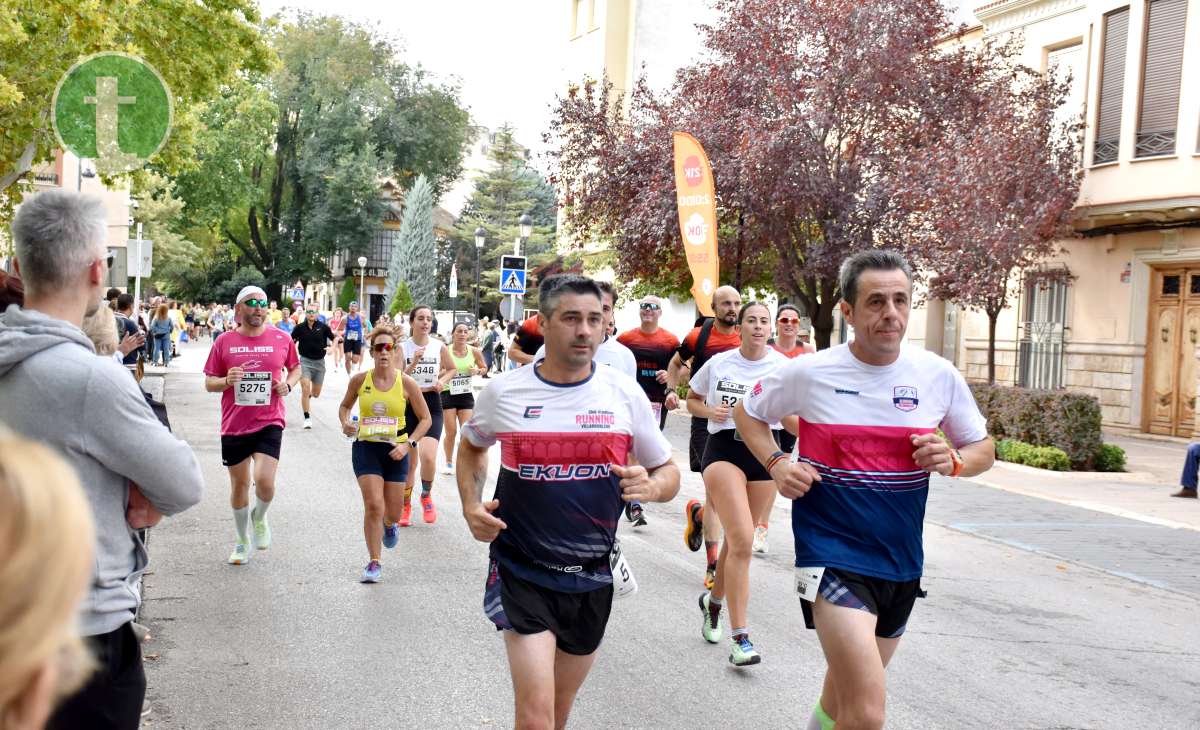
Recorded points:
(729, 393)
(624, 584)
(425, 373)
(379, 428)
(808, 583)
(254, 389)
(460, 385)
(351, 335)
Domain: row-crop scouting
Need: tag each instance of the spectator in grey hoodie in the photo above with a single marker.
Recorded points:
(53, 388)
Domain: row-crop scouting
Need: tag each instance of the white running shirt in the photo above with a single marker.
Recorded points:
(426, 373)
(728, 377)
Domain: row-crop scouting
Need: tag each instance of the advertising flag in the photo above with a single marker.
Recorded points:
(696, 200)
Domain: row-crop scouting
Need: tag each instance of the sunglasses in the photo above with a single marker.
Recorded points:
(382, 347)
(650, 306)
(310, 311)
(788, 320)
(256, 303)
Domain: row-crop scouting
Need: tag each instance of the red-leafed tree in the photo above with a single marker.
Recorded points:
(994, 198)
(811, 112)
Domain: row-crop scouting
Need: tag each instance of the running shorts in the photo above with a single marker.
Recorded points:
(374, 458)
(696, 442)
(577, 620)
(890, 601)
(433, 401)
(461, 402)
(787, 442)
(724, 446)
(353, 347)
(313, 370)
(236, 449)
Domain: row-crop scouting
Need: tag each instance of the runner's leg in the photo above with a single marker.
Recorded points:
(373, 509)
(855, 689)
(531, 663)
(239, 494)
(569, 672)
(393, 501)
(306, 389)
(451, 426)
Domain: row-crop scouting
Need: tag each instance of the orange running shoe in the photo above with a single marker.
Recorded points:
(430, 512)
(406, 515)
(693, 531)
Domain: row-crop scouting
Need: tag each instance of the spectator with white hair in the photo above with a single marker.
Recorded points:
(54, 389)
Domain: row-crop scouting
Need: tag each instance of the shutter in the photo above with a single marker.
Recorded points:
(1160, 80)
(1112, 83)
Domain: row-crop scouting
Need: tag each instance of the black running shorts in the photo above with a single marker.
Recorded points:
(724, 446)
(891, 601)
(577, 620)
(236, 449)
(352, 347)
(373, 458)
(460, 402)
(433, 401)
(696, 441)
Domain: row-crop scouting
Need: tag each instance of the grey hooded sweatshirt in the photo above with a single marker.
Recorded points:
(55, 389)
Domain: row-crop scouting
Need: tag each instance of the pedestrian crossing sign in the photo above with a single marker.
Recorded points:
(512, 275)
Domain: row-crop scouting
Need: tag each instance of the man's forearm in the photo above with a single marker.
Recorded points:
(293, 376)
(471, 473)
(674, 370)
(666, 482)
(977, 457)
(516, 354)
(215, 385)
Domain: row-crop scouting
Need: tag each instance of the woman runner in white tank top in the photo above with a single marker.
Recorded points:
(427, 361)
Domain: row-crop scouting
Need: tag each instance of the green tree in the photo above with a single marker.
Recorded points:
(176, 258)
(41, 39)
(509, 189)
(347, 294)
(413, 255)
(402, 301)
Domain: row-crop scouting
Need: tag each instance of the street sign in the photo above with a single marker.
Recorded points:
(118, 275)
(298, 295)
(511, 308)
(144, 267)
(453, 281)
(512, 275)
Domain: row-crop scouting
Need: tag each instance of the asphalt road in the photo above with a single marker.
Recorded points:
(1030, 621)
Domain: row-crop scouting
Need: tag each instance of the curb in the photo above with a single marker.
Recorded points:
(1142, 477)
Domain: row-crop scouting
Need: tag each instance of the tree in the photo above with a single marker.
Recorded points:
(1012, 173)
(402, 301)
(298, 156)
(509, 189)
(413, 255)
(810, 111)
(208, 44)
(347, 294)
(176, 259)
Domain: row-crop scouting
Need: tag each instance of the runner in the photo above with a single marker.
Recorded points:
(427, 360)
(713, 336)
(337, 323)
(458, 397)
(356, 328)
(380, 453)
(274, 314)
(566, 429)
(652, 347)
(312, 337)
(787, 343)
(526, 342)
(245, 365)
(868, 419)
(735, 483)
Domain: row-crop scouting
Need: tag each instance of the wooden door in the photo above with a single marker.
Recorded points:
(1174, 334)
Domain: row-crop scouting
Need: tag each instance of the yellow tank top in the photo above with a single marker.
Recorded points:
(381, 413)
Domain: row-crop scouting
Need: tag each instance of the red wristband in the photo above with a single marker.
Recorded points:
(958, 462)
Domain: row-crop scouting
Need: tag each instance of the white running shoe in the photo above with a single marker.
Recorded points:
(308, 424)
(240, 554)
(760, 540)
(448, 468)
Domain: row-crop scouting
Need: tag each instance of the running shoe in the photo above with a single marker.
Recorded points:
(635, 514)
(240, 554)
(710, 576)
(448, 468)
(374, 571)
(406, 515)
(429, 511)
(262, 534)
(308, 424)
(710, 629)
(743, 653)
(391, 535)
(693, 531)
(760, 540)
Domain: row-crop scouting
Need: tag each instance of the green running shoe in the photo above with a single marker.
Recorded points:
(711, 628)
(240, 554)
(262, 534)
(743, 653)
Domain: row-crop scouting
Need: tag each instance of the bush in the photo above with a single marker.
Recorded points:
(347, 294)
(1109, 457)
(1068, 421)
(1040, 457)
(402, 300)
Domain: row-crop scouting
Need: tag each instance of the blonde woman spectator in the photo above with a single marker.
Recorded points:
(101, 328)
(46, 538)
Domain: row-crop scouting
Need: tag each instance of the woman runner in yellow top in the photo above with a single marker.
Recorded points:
(380, 454)
(458, 397)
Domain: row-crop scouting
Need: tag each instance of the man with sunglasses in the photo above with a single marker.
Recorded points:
(653, 347)
(246, 366)
(312, 338)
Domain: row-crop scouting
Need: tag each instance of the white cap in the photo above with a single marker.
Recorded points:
(249, 291)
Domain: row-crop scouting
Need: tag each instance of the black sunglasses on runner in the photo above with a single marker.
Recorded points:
(650, 306)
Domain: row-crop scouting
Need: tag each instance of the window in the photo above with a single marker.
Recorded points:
(578, 16)
(1165, 22)
(1112, 84)
(1042, 344)
(1063, 64)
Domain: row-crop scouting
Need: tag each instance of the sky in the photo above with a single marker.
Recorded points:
(504, 54)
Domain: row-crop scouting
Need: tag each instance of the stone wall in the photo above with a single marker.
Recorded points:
(1107, 377)
(976, 369)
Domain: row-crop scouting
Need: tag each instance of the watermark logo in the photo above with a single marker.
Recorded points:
(114, 108)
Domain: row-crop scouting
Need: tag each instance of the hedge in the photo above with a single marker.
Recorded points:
(1067, 421)
(1041, 457)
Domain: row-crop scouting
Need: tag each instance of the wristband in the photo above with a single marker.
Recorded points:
(775, 459)
(957, 460)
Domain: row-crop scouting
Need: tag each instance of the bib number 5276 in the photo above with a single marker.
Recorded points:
(254, 389)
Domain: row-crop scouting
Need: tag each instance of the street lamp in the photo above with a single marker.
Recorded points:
(362, 284)
(526, 225)
(480, 239)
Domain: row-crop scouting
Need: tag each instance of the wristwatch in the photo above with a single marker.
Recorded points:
(957, 461)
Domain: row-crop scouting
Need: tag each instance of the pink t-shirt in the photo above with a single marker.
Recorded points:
(271, 352)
